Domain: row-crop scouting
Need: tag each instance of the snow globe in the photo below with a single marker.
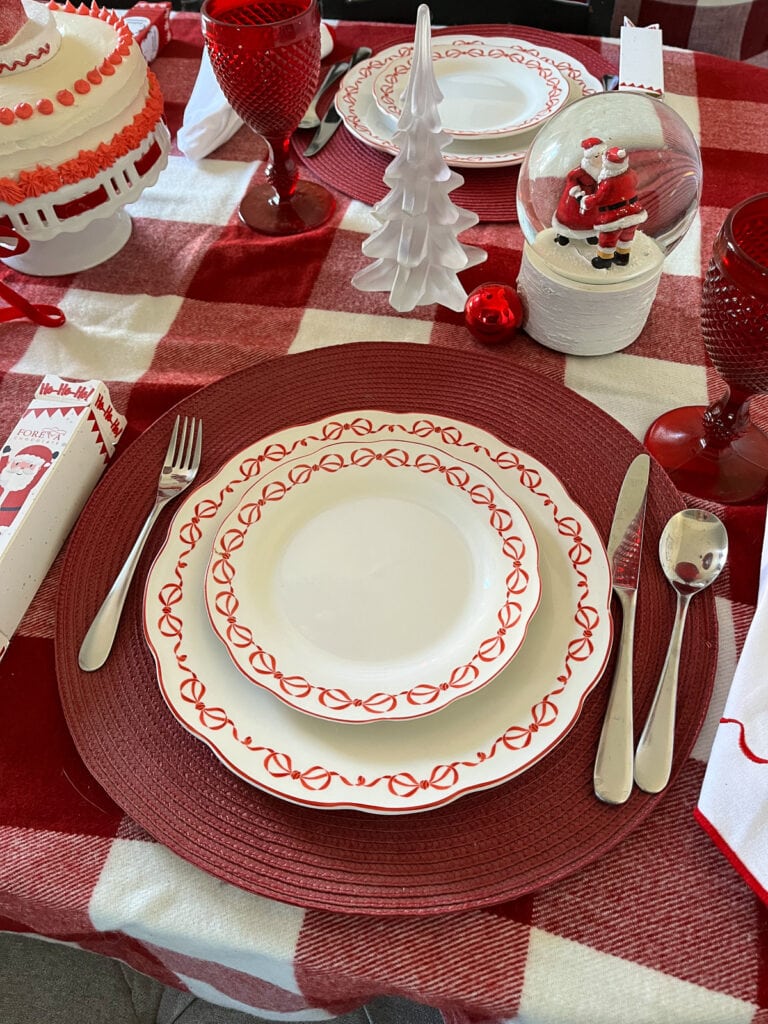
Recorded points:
(607, 190)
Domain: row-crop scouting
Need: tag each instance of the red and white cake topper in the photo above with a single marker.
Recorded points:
(13, 17)
(28, 37)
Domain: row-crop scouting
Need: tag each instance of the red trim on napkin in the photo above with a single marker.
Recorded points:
(728, 853)
(734, 793)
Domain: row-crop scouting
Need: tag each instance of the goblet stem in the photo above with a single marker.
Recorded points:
(727, 417)
(282, 172)
(714, 452)
(285, 203)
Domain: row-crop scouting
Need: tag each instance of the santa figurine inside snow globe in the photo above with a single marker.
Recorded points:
(600, 204)
(608, 188)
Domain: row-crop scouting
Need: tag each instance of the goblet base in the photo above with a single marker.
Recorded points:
(310, 206)
(733, 472)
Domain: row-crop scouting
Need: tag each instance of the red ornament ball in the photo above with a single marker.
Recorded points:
(493, 312)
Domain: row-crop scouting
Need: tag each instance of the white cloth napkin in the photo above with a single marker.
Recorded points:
(209, 121)
(733, 803)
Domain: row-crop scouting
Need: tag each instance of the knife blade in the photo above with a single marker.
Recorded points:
(332, 118)
(614, 764)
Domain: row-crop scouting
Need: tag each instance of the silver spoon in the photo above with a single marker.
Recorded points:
(693, 548)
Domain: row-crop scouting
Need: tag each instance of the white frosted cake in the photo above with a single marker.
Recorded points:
(78, 107)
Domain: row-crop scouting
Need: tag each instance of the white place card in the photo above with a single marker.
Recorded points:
(641, 63)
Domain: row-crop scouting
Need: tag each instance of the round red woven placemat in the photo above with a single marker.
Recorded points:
(349, 166)
(481, 849)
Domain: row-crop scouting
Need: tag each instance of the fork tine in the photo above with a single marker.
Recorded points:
(180, 456)
(195, 464)
(186, 461)
(169, 455)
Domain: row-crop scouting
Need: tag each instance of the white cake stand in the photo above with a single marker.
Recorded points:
(64, 242)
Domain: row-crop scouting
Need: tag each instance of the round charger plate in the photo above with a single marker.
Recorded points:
(488, 89)
(373, 580)
(473, 852)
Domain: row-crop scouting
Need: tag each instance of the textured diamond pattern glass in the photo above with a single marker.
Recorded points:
(717, 452)
(734, 312)
(266, 57)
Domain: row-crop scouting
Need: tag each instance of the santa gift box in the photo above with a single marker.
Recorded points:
(48, 467)
(150, 23)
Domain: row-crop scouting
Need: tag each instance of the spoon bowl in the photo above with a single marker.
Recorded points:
(693, 549)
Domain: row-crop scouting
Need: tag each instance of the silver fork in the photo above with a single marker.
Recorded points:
(182, 461)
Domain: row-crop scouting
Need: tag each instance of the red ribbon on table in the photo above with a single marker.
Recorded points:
(14, 244)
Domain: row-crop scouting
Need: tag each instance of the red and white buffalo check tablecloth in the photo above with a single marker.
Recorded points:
(660, 929)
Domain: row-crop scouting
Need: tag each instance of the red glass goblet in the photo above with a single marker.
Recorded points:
(265, 55)
(717, 452)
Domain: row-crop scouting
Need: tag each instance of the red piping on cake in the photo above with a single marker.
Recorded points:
(44, 49)
(65, 211)
(93, 76)
(88, 162)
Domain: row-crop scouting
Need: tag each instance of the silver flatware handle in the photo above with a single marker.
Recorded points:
(335, 72)
(653, 757)
(613, 773)
(332, 118)
(98, 641)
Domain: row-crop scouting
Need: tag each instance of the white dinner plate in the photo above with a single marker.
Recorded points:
(362, 117)
(386, 767)
(487, 90)
(373, 580)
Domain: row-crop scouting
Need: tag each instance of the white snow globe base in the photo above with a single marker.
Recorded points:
(73, 251)
(571, 307)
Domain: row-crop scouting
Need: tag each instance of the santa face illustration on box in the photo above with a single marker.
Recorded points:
(20, 473)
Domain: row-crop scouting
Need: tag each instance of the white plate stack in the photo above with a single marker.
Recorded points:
(497, 94)
(379, 611)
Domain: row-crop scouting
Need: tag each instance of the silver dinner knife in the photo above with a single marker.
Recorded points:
(614, 763)
(332, 118)
(335, 72)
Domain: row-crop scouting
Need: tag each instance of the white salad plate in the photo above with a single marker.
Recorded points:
(487, 90)
(373, 580)
(362, 116)
(387, 767)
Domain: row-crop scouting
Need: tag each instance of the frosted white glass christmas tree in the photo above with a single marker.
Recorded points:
(416, 250)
